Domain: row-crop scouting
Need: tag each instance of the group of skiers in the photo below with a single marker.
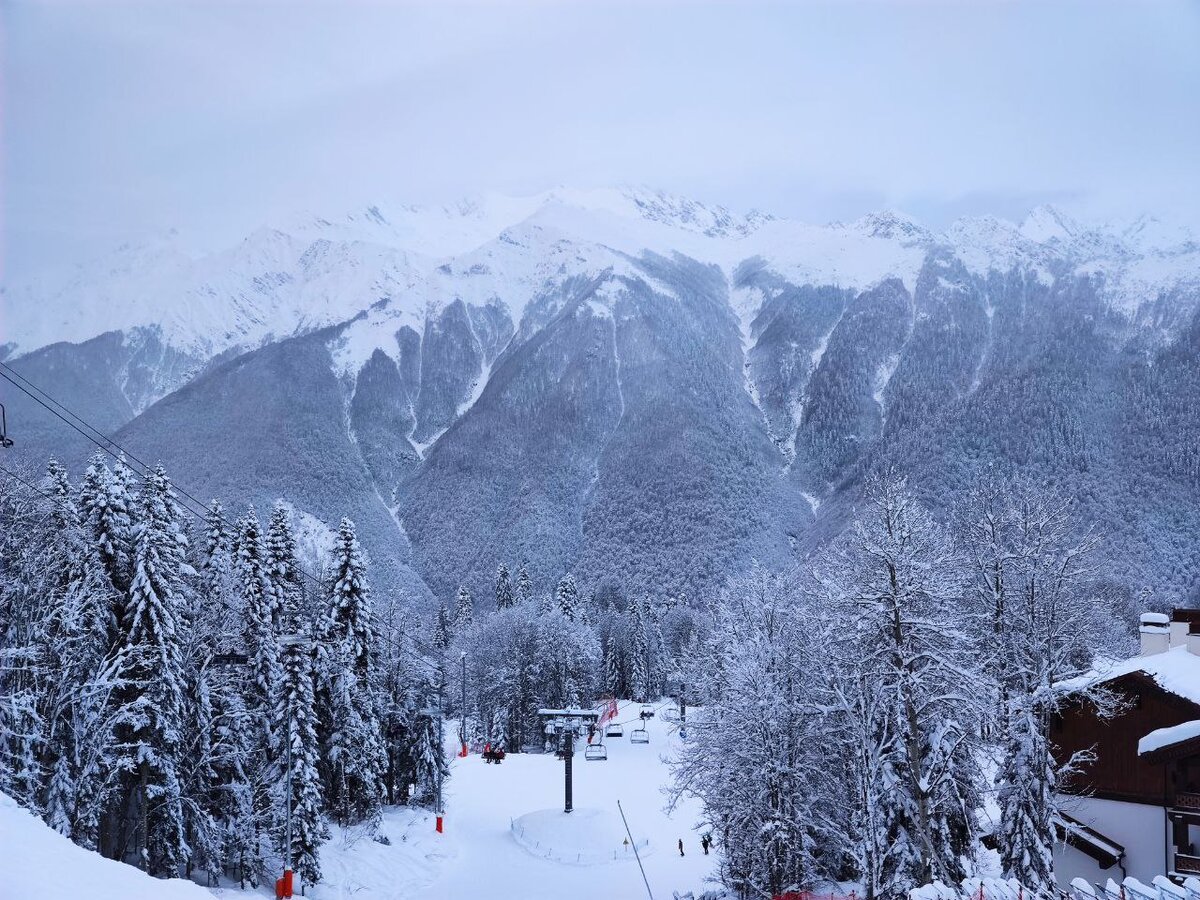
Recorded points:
(705, 843)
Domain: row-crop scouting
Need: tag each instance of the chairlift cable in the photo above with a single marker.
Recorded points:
(199, 516)
(202, 516)
(13, 372)
(36, 490)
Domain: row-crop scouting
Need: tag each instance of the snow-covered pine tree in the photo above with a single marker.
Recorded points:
(658, 666)
(504, 589)
(22, 619)
(441, 629)
(281, 570)
(613, 682)
(261, 636)
(236, 758)
(198, 777)
(356, 755)
(567, 597)
(262, 686)
(218, 591)
(464, 611)
(498, 733)
(524, 585)
(151, 724)
(73, 640)
(295, 723)
(431, 765)
(105, 506)
(639, 675)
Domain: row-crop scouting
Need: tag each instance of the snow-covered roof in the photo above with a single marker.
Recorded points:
(1168, 737)
(1087, 839)
(1176, 671)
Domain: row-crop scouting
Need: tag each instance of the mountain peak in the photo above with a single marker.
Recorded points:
(1048, 223)
(660, 207)
(891, 224)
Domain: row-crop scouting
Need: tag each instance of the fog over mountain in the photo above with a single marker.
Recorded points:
(630, 385)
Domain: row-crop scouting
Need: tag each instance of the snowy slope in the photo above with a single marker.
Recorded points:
(271, 284)
(478, 855)
(38, 863)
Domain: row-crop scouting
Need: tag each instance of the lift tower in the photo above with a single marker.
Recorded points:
(564, 724)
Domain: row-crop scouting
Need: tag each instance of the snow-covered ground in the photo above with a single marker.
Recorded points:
(477, 856)
(38, 863)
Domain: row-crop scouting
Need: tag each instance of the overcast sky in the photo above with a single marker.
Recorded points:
(120, 121)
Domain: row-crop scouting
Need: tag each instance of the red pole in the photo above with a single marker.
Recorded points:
(439, 824)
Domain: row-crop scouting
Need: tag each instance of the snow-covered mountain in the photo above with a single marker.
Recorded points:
(314, 270)
(626, 383)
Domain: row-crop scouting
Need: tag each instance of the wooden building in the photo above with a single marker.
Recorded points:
(1135, 808)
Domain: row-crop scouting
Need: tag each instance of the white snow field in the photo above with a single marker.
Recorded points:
(38, 863)
(477, 856)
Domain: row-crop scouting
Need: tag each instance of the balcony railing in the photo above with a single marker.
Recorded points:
(1186, 863)
(1186, 800)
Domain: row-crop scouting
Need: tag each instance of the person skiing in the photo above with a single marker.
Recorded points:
(706, 842)
(681, 846)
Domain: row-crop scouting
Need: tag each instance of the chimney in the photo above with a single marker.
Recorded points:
(1193, 639)
(1182, 621)
(1156, 634)
(1179, 633)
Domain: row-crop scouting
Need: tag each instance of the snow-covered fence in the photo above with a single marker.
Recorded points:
(1132, 889)
(1008, 889)
(984, 889)
(574, 857)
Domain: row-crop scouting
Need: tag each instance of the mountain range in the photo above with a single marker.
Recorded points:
(632, 386)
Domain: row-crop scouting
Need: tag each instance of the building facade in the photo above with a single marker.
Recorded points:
(1133, 805)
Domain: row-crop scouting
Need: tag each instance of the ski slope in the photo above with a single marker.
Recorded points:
(482, 799)
(477, 856)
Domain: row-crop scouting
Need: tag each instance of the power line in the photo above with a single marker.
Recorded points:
(109, 443)
(32, 391)
(13, 372)
(29, 391)
(394, 638)
(36, 490)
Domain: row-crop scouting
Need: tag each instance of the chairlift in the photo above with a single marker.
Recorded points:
(615, 729)
(647, 711)
(595, 753)
(639, 736)
(5, 440)
(671, 714)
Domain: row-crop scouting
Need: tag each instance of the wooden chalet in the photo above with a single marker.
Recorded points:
(1135, 808)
